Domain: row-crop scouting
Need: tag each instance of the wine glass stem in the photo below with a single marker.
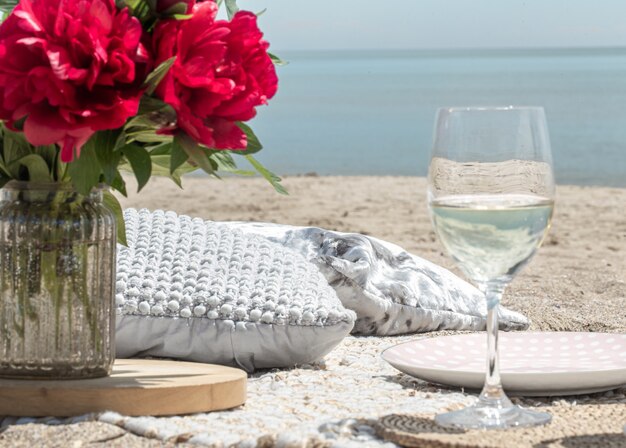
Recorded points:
(492, 393)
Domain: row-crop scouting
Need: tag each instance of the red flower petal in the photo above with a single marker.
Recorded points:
(221, 74)
(71, 67)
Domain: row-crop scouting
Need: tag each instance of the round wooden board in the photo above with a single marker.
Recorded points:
(136, 387)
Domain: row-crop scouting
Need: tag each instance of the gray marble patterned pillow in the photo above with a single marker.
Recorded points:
(391, 291)
(196, 290)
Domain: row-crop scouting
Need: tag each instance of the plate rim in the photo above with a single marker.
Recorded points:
(502, 371)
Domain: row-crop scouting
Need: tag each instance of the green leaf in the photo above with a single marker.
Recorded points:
(157, 75)
(49, 154)
(110, 139)
(4, 180)
(176, 9)
(158, 170)
(276, 60)
(107, 144)
(154, 114)
(194, 151)
(160, 149)
(19, 123)
(15, 147)
(219, 3)
(267, 174)
(140, 162)
(142, 9)
(141, 122)
(231, 8)
(119, 184)
(6, 6)
(61, 169)
(178, 156)
(111, 202)
(109, 160)
(224, 161)
(260, 13)
(245, 173)
(162, 162)
(143, 128)
(254, 145)
(149, 104)
(147, 136)
(4, 170)
(85, 170)
(38, 169)
(152, 120)
(161, 167)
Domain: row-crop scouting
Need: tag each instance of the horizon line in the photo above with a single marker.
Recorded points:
(512, 48)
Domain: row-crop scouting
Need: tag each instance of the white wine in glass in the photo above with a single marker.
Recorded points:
(491, 197)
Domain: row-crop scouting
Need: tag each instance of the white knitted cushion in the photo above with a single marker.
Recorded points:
(194, 290)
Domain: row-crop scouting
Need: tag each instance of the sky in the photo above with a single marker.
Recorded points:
(426, 24)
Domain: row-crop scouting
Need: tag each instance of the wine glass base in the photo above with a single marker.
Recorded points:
(487, 417)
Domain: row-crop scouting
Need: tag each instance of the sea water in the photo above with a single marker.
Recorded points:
(372, 112)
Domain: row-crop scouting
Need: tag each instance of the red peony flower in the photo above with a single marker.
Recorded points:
(222, 72)
(71, 67)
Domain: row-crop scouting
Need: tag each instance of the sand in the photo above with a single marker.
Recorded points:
(576, 282)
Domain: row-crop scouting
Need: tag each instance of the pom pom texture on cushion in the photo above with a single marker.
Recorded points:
(192, 270)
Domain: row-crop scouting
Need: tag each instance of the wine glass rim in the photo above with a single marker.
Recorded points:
(490, 108)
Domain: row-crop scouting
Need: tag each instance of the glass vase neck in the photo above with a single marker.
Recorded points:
(48, 192)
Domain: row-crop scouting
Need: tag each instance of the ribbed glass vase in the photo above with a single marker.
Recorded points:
(57, 270)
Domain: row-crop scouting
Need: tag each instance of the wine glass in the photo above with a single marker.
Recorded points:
(491, 197)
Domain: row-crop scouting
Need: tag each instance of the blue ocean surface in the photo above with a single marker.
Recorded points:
(372, 112)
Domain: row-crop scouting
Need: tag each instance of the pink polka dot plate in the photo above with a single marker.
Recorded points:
(531, 363)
